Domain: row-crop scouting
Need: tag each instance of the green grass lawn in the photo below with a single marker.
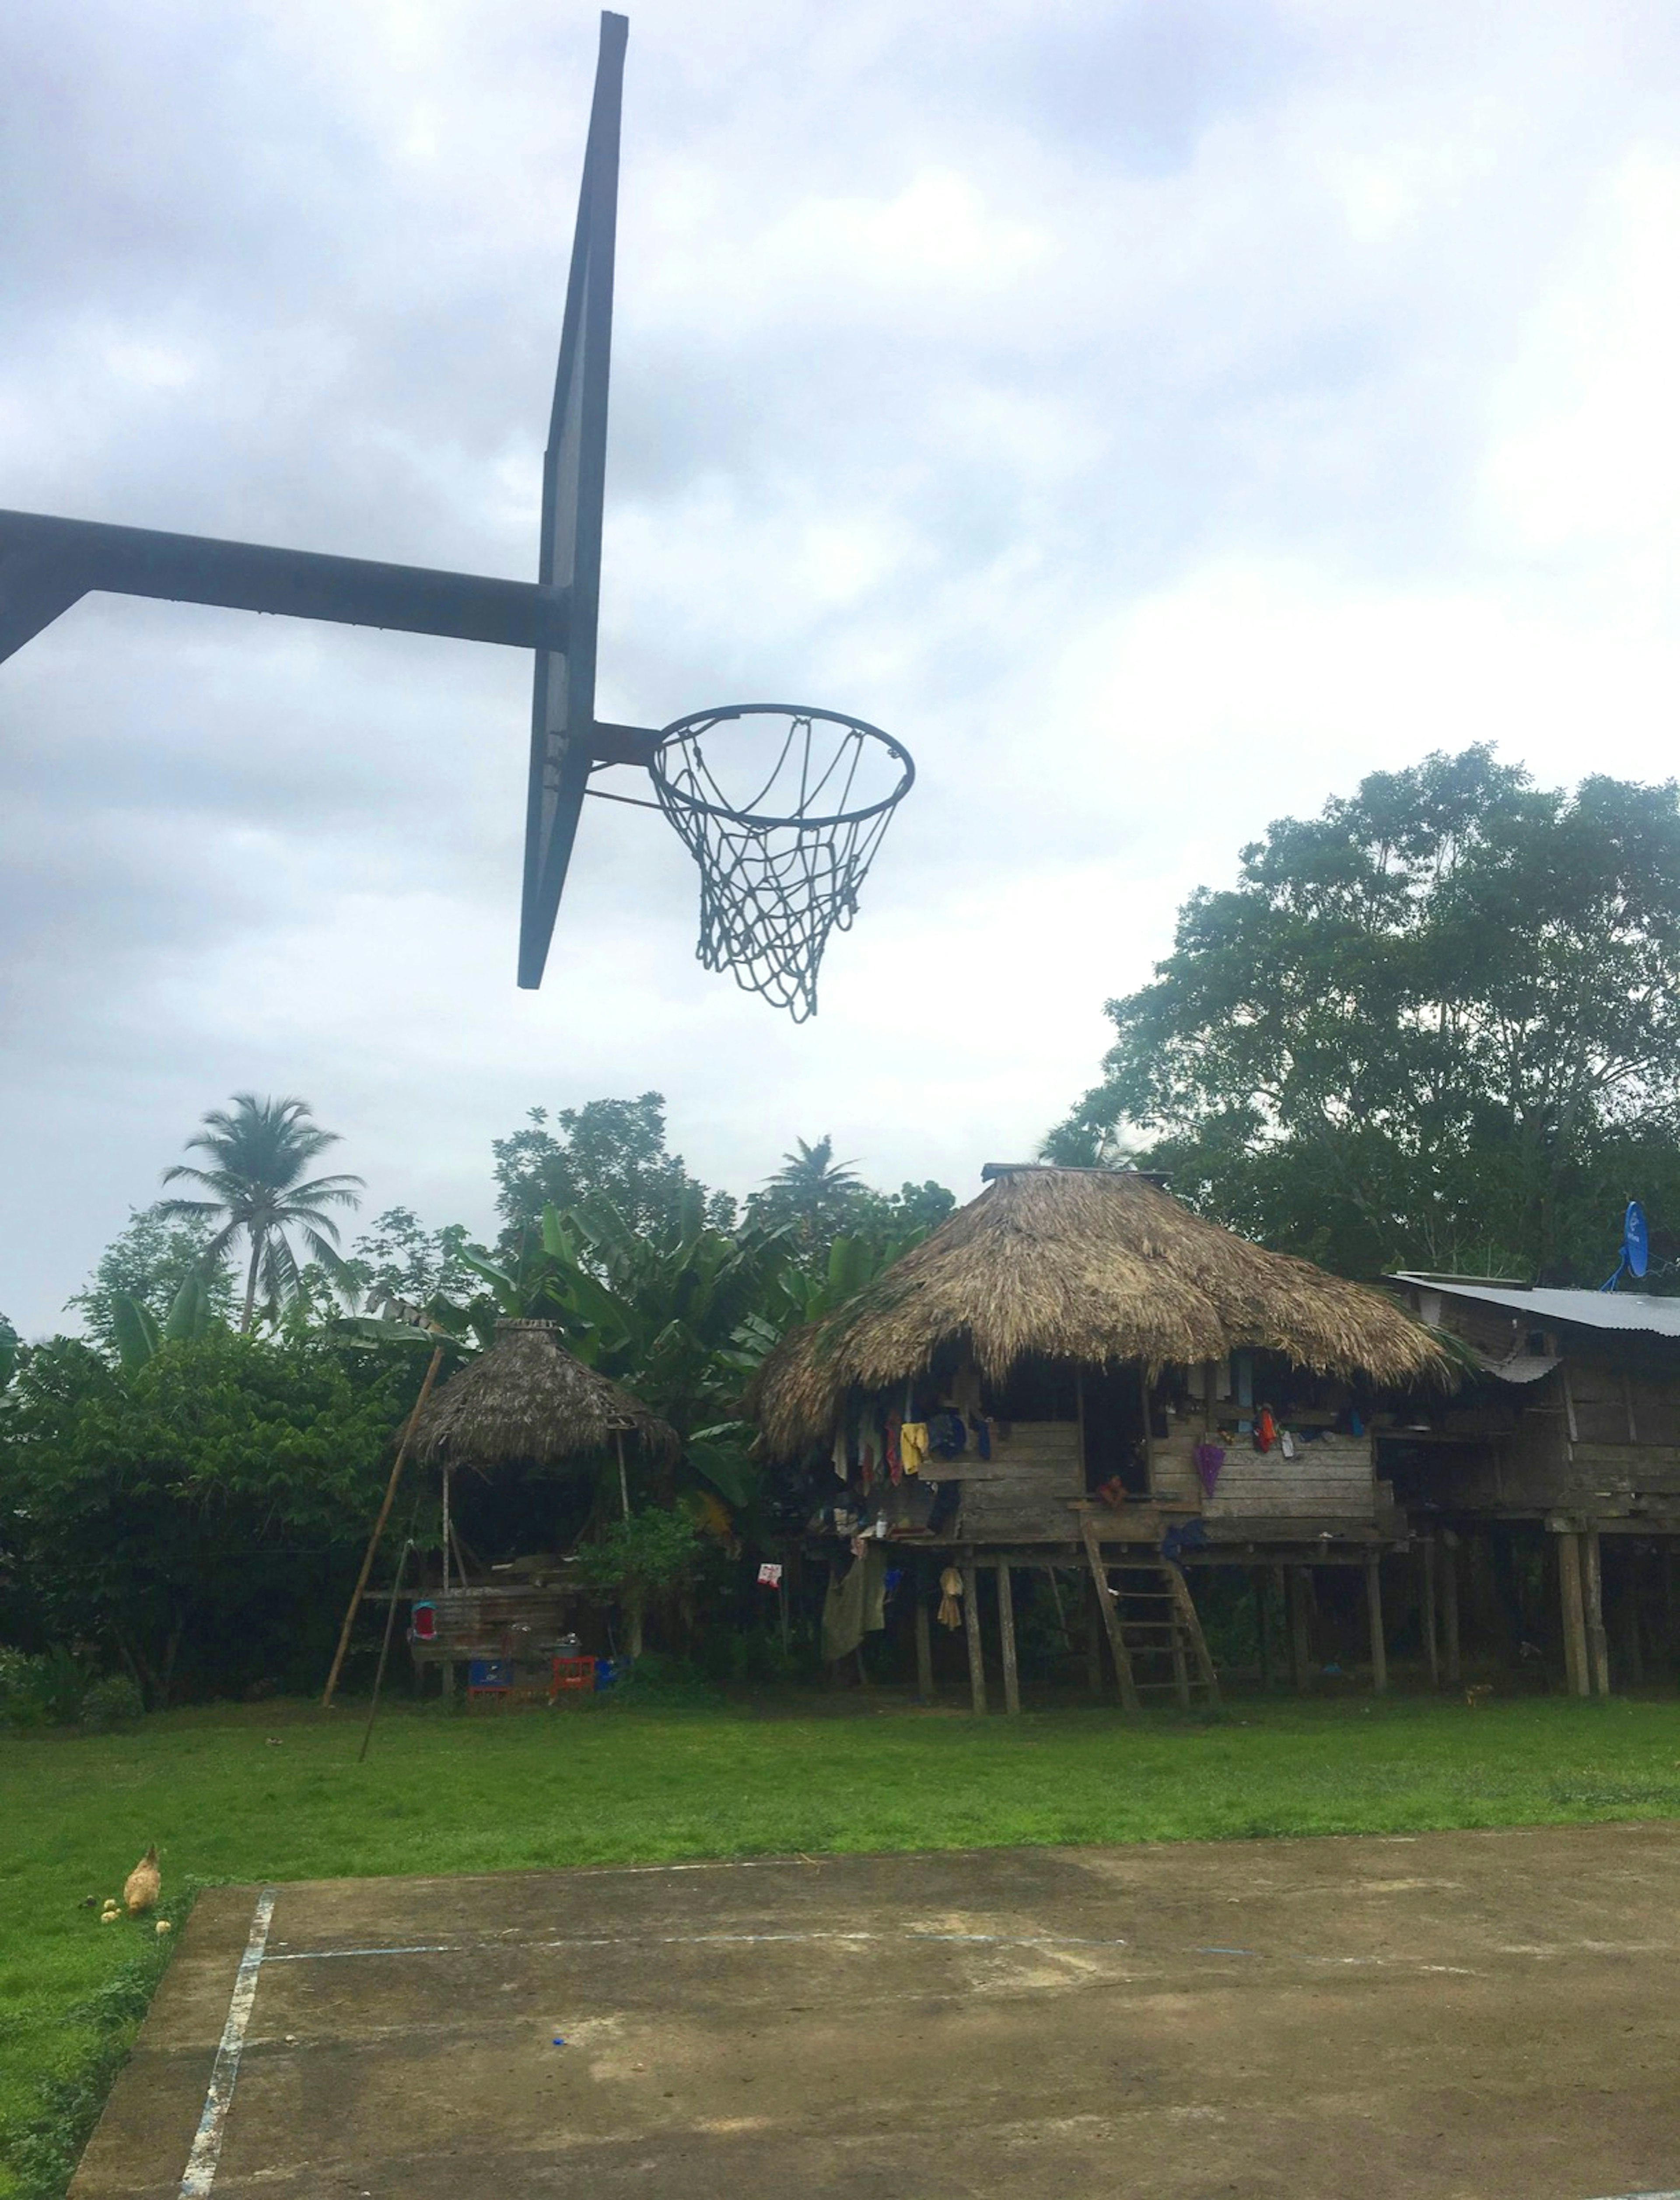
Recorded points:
(274, 1792)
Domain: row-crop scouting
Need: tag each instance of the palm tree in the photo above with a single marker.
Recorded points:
(258, 1151)
(811, 1186)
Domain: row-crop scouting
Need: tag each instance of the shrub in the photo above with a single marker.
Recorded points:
(58, 1689)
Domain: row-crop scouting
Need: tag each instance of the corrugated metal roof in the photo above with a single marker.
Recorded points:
(1622, 1310)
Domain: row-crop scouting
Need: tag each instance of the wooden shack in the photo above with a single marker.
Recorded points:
(1107, 1376)
(527, 1401)
(1569, 1427)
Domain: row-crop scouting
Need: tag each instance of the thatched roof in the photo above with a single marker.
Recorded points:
(529, 1401)
(1089, 1265)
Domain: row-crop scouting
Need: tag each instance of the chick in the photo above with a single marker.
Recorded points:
(141, 1888)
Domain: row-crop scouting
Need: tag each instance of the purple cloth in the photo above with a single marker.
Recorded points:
(1210, 1457)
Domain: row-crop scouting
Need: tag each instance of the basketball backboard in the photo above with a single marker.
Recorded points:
(574, 488)
(773, 885)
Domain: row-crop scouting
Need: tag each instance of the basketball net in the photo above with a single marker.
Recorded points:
(781, 869)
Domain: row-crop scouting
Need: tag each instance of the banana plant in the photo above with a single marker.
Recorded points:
(140, 1336)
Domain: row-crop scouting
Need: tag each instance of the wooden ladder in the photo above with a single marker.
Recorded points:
(1153, 1630)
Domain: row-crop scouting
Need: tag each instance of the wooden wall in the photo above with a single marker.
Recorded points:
(1598, 1438)
(1023, 1491)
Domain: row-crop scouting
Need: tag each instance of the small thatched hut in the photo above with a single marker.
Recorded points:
(1074, 1359)
(529, 1401)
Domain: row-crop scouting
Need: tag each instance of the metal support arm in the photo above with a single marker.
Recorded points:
(46, 564)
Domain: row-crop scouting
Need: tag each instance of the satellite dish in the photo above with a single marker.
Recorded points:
(1635, 1246)
(1635, 1239)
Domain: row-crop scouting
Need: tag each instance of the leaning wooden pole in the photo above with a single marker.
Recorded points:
(378, 1529)
(384, 1648)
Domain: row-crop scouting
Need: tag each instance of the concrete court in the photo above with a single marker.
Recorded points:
(1451, 2017)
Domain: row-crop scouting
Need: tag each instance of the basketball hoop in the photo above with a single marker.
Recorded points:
(781, 866)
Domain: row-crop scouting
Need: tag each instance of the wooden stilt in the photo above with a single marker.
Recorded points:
(1006, 1636)
(1577, 1675)
(1432, 1638)
(1262, 1632)
(1631, 1631)
(1449, 1572)
(1093, 1638)
(1592, 1598)
(1300, 1637)
(924, 1646)
(1105, 1604)
(1374, 1605)
(971, 1624)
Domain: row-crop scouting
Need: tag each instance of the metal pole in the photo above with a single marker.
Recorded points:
(379, 1530)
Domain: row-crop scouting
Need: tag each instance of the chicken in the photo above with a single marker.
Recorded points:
(141, 1888)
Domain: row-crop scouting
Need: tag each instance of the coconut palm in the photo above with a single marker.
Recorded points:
(257, 1152)
(811, 1187)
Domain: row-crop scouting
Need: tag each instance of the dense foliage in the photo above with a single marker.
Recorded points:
(1438, 1026)
(186, 1505)
(197, 1520)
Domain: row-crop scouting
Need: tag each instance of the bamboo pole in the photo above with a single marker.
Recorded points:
(379, 1530)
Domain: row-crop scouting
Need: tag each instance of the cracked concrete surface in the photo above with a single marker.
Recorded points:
(1448, 2016)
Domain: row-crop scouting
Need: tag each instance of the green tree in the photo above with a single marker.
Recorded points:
(201, 1516)
(812, 1190)
(607, 1151)
(148, 1262)
(1438, 1026)
(397, 1257)
(258, 1151)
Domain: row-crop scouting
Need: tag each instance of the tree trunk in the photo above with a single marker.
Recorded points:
(251, 1284)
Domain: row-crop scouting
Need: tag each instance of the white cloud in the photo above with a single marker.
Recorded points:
(1158, 418)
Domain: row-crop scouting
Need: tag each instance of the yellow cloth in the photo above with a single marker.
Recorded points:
(950, 1612)
(913, 1446)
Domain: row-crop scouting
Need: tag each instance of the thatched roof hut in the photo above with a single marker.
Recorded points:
(1090, 1266)
(529, 1401)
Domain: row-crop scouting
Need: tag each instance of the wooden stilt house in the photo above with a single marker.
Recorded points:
(1075, 1370)
(1562, 1449)
(525, 1402)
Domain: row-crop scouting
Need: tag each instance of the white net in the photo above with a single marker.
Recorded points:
(781, 862)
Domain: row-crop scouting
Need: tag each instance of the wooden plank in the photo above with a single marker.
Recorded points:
(1105, 1605)
(971, 1624)
(1006, 1634)
(1374, 1605)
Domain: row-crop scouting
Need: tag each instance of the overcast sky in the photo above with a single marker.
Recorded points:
(1157, 415)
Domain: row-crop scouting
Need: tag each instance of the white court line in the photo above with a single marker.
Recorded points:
(206, 2145)
(690, 1941)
